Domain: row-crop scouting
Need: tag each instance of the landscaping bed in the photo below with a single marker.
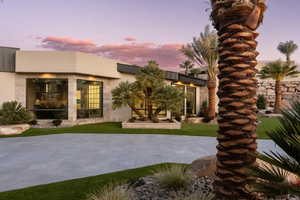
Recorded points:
(162, 124)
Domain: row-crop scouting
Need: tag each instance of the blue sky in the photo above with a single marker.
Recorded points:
(131, 30)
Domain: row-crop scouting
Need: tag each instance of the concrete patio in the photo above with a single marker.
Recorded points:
(29, 161)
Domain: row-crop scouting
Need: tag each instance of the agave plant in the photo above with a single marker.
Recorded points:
(13, 112)
(274, 177)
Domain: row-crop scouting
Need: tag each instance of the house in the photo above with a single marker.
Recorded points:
(76, 87)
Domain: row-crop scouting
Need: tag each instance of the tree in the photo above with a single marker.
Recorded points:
(150, 79)
(187, 66)
(168, 98)
(287, 48)
(277, 71)
(204, 51)
(236, 22)
(149, 87)
(273, 180)
(126, 94)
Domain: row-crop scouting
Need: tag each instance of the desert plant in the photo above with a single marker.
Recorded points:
(236, 22)
(57, 122)
(261, 102)
(204, 52)
(197, 196)
(13, 112)
(272, 176)
(278, 71)
(111, 192)
(173, 177)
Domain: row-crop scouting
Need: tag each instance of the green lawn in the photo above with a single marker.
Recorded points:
(115, 127)
(77, 189)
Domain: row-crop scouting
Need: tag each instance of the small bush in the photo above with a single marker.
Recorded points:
(13, 112)
(111, 193)
(197, 196)
(174, 177)
(57, 122)
(268, 112)
(33, 122)
(203, 109)
(261, 102)
(133, 119)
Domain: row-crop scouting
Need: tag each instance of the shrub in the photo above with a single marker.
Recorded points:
(174, 177)
(197, 196)
(57, 122)
(261, 102)
(203, 109)
(33, 122)
(111, 193)
(13, 112)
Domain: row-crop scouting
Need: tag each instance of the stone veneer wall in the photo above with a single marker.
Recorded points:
(290, 89)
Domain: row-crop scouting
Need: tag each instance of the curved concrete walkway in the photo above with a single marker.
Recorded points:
(28, 161)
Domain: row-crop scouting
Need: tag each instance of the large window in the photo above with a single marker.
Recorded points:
(47, 98)
(191, 100)
(89, 98)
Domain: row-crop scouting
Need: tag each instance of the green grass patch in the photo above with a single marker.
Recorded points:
(79, 189)
(115, 127)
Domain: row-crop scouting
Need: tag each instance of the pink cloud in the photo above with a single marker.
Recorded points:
(167, 55)
(130, 39)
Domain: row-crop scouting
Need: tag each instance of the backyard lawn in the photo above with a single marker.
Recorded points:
(266, 124)
(78, 189)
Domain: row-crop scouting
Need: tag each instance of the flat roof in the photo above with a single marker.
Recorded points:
(169, 75)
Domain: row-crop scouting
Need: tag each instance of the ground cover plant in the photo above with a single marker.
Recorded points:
(78, 189)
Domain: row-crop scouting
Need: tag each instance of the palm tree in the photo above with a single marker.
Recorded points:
(150, 79)
(277, 71)
(287, 48)
(236, 22)
(204, 52)
(275, 174)
(187, 66)
(126, 94)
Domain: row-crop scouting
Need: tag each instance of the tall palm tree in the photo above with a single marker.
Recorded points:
(187, 66)
(280, 174)
(236, 22)
(287, 48)
(204, 51)
(277, 71)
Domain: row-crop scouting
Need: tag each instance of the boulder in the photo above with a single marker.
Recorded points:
(205, 166)
(13, 129)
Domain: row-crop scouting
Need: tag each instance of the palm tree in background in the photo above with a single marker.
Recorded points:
(287, 48)
(187, 66)
(278, 71)
(236, 22)
(204, 52)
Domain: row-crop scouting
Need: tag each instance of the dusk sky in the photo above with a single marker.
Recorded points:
(133, 31)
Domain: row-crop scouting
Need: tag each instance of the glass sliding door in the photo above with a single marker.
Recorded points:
(89, 98)
(47, 98)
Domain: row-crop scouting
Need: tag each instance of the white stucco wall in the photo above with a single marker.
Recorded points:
(7, 87)
(65, 62)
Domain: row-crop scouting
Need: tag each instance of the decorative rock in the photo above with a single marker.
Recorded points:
(13, 129)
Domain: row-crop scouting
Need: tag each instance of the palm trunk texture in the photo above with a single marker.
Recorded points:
(236, 22)
(278, 96)
(211, 86)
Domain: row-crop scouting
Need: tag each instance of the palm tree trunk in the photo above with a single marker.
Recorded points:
(278, 96)
(136, 111)
(236, 22)
(211, 86)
